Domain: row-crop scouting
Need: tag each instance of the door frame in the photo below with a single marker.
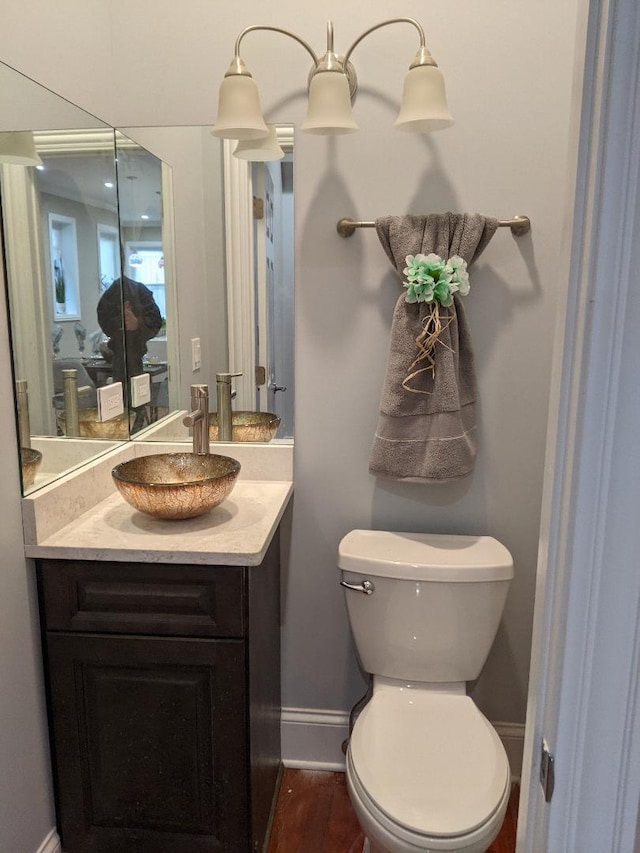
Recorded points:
(584, 689)
(242, 309)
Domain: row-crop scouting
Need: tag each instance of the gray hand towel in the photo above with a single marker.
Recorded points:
(429, 435)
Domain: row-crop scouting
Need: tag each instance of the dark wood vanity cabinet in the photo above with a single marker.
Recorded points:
(163, 686)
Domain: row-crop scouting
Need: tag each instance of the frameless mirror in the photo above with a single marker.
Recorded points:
(58, 209)
(232, 230)
(208, 236)
(142, 351)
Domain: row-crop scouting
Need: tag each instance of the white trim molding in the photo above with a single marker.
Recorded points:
(238, 205)
(584, 690)
(51, 844)
(312, 739)
(512, 737)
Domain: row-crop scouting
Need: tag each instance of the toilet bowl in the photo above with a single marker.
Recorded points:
(426, 771)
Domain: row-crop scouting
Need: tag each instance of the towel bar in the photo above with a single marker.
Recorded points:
(519, 225)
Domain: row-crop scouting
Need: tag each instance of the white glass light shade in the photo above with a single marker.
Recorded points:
(18, 147)
(329, 108)
(260, 150)
(424, 101)
(239, 113)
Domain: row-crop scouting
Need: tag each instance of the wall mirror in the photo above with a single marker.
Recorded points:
(59, 225)
(170, 208)
(232, 228)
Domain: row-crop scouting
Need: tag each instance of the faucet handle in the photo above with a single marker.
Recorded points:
(226, 377)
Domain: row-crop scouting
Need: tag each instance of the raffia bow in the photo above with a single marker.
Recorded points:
(432, 327)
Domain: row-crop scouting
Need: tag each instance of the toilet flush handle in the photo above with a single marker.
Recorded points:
(366, 586)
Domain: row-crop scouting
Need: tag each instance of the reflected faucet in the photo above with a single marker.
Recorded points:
(70, 393)
(224, 394)
(198, 418)
(22, 401)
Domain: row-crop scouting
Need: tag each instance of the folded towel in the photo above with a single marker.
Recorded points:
(429, 435)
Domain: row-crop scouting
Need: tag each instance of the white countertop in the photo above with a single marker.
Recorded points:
(83, 517)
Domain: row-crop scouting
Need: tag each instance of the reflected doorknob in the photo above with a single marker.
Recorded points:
(279, 388)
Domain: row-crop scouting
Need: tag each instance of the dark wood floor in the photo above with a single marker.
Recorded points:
(314, 815)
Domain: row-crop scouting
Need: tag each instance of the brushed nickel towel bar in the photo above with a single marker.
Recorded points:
(519, 225)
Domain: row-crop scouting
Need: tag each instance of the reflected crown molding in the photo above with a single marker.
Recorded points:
(285, 137)
(79, 141)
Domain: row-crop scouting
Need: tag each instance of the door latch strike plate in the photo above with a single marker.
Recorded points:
(547, 771)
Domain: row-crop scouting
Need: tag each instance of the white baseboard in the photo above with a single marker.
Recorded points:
(51, 844)
(512, 737)
(312, 740)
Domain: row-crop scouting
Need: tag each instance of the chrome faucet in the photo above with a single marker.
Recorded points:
(198, 418)
(224, 395)
(70, 393)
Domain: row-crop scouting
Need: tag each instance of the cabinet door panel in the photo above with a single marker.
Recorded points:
(150, 738)
(121, 598)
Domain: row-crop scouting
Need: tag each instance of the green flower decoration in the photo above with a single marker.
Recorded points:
(432, 279)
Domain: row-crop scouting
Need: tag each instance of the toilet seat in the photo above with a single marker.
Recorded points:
(429, 761)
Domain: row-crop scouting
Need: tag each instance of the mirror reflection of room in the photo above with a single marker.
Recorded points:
(66, 242)
(77, 199)
(233, 242)
(59, 215)
(138, 346)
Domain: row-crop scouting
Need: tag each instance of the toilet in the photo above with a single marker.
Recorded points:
(426, 771)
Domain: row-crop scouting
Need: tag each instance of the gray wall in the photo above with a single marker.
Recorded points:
(509, 70)
(26, 799)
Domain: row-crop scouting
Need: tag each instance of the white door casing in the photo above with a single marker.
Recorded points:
(584, 693)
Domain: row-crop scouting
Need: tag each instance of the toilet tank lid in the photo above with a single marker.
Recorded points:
(425, 556)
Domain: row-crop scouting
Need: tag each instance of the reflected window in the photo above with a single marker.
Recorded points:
(108, 255)
(63, 248)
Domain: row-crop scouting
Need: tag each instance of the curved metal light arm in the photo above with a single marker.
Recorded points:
(423, 56)
(281, 30)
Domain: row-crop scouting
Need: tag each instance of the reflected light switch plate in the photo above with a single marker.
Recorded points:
(196, 357)
(110, 401)
(140, 390)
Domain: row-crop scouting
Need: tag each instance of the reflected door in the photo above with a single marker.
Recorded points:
(274, 290)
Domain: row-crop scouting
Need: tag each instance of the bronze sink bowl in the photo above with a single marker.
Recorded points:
(247, 426)
(29, 461)
(176, 485)
(91, 427)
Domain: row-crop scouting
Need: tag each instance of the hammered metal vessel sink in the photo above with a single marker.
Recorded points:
(91, 427)
(247, 426)
(176, 485)
(29, 461)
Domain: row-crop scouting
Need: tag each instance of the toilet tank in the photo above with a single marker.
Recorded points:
(436, 604)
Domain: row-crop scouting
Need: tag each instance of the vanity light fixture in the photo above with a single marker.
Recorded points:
(332, 88)
(18, 148)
